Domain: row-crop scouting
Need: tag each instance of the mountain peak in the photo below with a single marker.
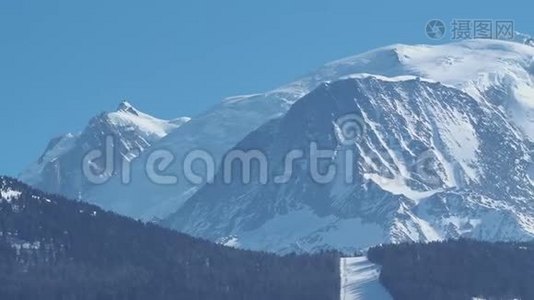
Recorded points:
(125, 106)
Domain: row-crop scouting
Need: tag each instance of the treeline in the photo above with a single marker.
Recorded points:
(457, 270)
(55, 248)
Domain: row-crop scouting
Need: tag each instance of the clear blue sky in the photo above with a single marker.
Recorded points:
(62, 62)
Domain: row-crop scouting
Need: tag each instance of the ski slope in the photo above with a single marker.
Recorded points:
(359, 280)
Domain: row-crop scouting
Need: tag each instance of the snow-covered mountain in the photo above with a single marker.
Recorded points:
(499, 71)
(496, 74)
(503, 77)
(431, 162)
(127, 130)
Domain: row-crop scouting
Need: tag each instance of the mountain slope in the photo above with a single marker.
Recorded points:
(55, 248)
(429, 162)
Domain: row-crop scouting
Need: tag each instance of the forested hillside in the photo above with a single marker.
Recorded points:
(457, 270)
(55, 248)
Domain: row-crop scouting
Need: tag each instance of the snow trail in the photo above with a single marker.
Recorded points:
(359, 280)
